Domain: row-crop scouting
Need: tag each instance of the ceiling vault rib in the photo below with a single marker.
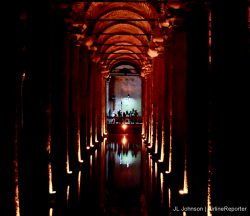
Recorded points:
(125, 59)
(136, 45)
(107, 20)
(129, 53)
(122, 33)
(136, 1)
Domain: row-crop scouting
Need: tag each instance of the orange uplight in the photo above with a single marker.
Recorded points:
(124, 126)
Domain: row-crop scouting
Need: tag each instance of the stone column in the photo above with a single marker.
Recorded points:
(74, 107)
(99, 90)
(93, 99)
(84, 76)
(33, 156)
(104, 99)
(14, 62)
(60, 70)
(197, 103)
(179, 114)
(230, 113)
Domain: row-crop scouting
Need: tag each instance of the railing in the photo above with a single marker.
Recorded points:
(124, 120)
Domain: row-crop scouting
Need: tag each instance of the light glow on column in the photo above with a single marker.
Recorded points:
(156, 140)
(185, 185)
(91, 137)
(124, 127)
(79, 147)
(170, 146)
(51, 190)
(67, 165)
(162, 143)
(150, 131)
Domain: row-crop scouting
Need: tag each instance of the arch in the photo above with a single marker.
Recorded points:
(122, 47)
(111, 25)
(122, 15)
(97, 9)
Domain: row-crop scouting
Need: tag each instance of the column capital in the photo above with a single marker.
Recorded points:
(105, 74)
(95, 57)
(76, 31)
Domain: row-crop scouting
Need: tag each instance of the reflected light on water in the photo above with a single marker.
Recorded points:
(96, 154)
(209, 199)
(79, 184)
(124, 140)
(150, 168)
(68, 188)
(156, 169)
(126, 159)
(162, 185)
(17, 206)
(169, 198)
(51, 210)
(90, 164)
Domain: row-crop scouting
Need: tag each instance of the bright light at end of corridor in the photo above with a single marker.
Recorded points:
(124, 126)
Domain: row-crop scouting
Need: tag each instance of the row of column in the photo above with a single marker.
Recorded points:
(79, 114)
(54, 110)
(188, 132)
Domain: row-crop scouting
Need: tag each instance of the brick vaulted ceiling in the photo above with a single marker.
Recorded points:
(120, 31)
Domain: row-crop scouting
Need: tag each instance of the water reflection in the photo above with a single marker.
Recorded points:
(117, 178)
(123, 175)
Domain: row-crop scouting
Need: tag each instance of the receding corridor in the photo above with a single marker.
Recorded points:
(125, 108)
